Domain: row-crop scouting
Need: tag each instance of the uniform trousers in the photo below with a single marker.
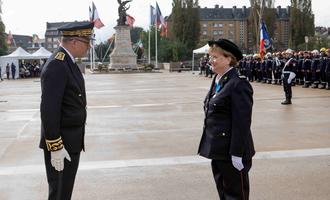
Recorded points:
(231, 183)
(287, 86)
(60, 184)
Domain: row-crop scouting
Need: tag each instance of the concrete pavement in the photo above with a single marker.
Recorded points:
(143, 132)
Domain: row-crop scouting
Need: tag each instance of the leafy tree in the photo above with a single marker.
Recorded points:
(185, 27)
(3, 44)
(301, 22)
(136, 34)
(101, 51)
(262, 10)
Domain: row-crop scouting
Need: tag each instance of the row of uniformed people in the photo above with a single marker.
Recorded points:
(312, 69)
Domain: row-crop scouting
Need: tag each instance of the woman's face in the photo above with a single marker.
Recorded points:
(219, 62)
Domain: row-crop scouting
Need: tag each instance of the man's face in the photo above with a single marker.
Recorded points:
(82, 45)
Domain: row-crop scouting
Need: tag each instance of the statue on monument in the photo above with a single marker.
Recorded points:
(122, 12)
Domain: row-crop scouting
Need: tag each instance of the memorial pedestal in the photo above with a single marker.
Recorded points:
(123, 56)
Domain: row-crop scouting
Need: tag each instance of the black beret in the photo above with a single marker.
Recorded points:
(77, 29)
(228, 46)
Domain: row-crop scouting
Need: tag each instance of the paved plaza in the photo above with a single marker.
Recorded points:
(142, 136)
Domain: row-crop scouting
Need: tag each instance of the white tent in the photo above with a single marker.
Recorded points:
(18, 54)
(42, 53)
(203, 50)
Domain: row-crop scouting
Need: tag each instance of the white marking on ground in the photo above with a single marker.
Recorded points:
(111, 106)
(181, 160)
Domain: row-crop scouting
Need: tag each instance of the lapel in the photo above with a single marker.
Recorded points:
(79, 79)
(223, 81)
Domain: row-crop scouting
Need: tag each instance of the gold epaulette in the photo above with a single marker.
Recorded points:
(60, 56)
(54, 145)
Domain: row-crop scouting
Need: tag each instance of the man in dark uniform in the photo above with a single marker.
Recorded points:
(288, 74)
(327, 69)
(307, 63)
(323, 64)
(227, 138)
(63, 109)
(315, 69)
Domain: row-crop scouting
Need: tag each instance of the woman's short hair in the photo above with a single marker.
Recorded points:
(216, 48)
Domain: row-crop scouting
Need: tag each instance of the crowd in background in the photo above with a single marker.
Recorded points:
(312, 68)
(29, 69)
(25, 69)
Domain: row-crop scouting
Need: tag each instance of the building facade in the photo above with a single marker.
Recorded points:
(234, 24)
(25, 41)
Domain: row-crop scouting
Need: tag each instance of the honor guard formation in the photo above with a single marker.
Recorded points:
(312, 68)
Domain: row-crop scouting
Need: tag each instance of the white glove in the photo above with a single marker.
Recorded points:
(291, 77)
(237, 162)
(57, 158)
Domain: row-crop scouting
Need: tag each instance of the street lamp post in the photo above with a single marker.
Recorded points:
(306, 42)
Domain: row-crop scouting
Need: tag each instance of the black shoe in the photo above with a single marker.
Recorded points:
(286, 102)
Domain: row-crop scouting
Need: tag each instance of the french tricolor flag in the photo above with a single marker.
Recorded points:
(265, 42)
(94, 16)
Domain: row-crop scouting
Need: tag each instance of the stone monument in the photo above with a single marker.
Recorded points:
(123, 56)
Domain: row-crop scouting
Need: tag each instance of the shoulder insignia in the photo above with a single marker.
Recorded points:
(60, 56)
(242, 77)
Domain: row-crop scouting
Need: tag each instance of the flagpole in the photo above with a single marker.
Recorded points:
(149, 45)
(156, 30)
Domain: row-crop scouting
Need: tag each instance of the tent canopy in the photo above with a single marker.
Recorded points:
(41, 53)
(18, 53)
(203, 50)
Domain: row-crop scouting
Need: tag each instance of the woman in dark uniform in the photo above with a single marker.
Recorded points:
(227, 138)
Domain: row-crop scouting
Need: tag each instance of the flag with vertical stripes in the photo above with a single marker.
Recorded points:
(152, 16)
(160, 18)
(265, 42)
(94, 16)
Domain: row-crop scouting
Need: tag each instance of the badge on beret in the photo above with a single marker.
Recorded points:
(60, 56)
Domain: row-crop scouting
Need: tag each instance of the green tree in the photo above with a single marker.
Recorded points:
(101, 51)
(3, 44)
(262, 10)
(301, 22)
(136, 34)
(185, 27)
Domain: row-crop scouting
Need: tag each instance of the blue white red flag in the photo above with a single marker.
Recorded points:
(265, 42)
(94, 16)
(152, 15)
(160, 18)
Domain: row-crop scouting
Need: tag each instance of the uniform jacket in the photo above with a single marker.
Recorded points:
(63, 102)
(226, 129)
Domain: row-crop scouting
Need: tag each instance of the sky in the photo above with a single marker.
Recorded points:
(30, 17)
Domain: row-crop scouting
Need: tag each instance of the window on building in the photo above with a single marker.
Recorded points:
(220, 32)
(49, 40)
(215, 25)
(215, 32)
(55, 46)
(220, 25)
(231, 25)
(204, 33)
(205, 25)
